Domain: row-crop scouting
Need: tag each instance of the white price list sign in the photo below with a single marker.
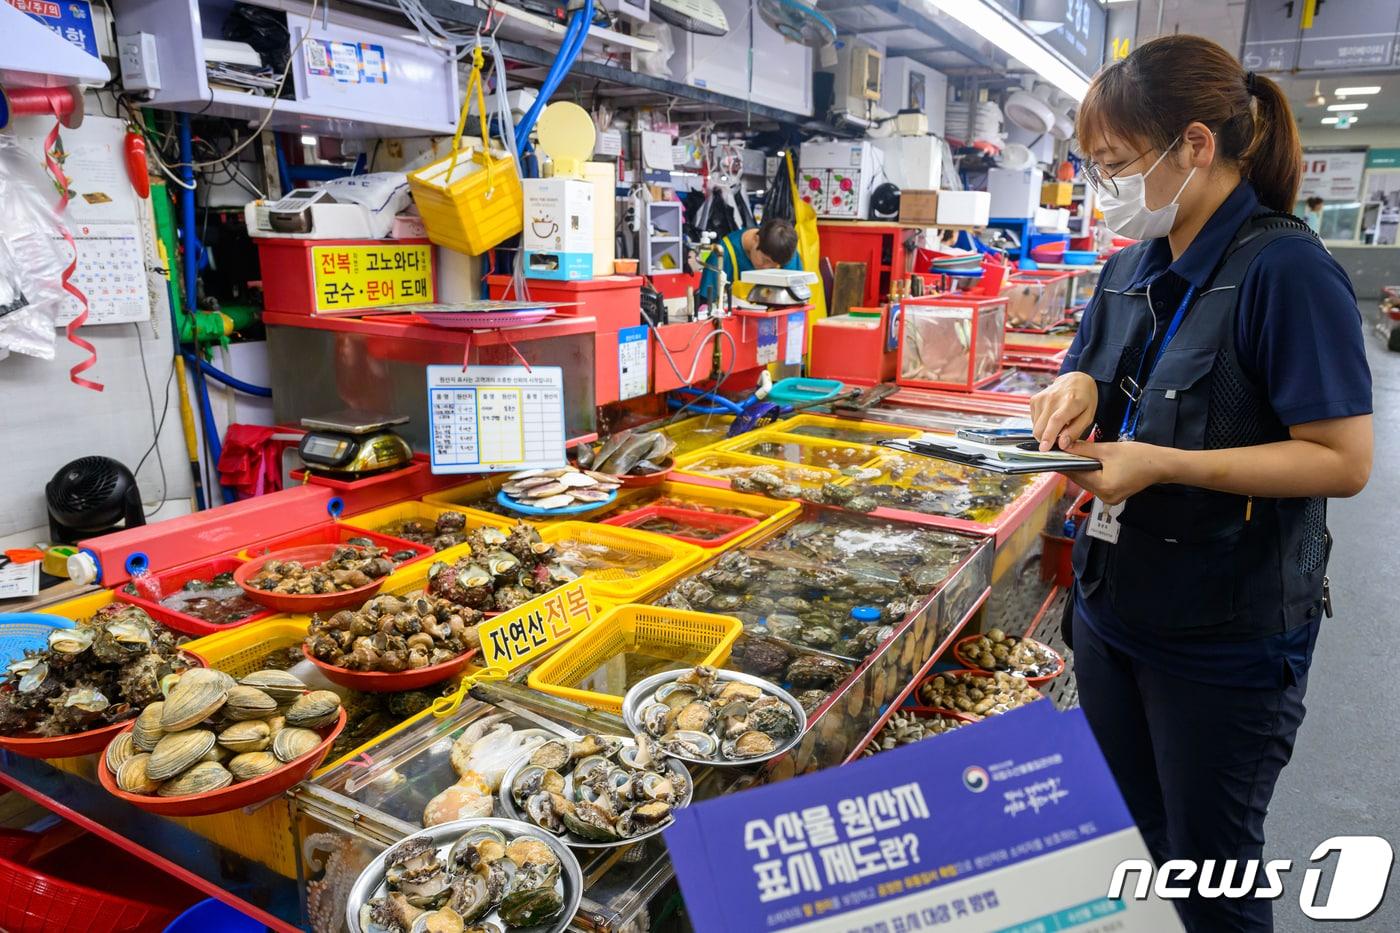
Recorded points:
(491, 418)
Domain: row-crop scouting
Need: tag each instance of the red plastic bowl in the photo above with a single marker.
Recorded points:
(650, 479)
(937, 712)
(171, 581)
(79, 743)
(1033, 681)
(338, 533)
(728, 526)
(235, 796)
(308, 603)
(383, 682)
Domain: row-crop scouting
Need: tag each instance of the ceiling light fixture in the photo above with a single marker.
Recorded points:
(1330, 121)
(1358, 91)
(308, 140)
(994, 26)
(1338, 108)
(1318, 98)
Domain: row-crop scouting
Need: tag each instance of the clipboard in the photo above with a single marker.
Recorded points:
(1005, 459)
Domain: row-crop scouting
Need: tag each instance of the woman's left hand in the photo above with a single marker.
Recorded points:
(1127, 467)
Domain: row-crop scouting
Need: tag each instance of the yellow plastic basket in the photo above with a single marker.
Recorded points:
(698, 433)
(472, 200)
(797, 449)
(687, 637)
(771, 513)
(847, 429)
(80, 607)
(482, 489)
(714, 467)
(671, 559)
(382, 518)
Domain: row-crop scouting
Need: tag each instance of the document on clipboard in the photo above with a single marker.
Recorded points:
(1025, 457)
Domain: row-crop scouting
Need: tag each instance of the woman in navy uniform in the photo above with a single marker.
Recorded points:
(1220, 377)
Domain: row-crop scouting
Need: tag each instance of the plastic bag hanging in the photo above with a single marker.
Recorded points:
(31, 259)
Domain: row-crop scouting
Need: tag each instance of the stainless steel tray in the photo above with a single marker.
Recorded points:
(370, 884)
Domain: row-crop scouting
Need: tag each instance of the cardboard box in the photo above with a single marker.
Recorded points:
(558, 236)
(964, 208)
(1056, 193)
(918, 208)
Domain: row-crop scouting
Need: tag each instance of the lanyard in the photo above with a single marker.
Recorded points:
(1133, 413)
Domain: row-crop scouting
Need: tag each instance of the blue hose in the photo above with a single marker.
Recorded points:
(574, 38)
(233, 382)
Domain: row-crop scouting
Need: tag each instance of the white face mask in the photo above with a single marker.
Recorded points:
(1127, 213)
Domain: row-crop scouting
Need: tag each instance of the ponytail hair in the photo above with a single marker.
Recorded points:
(1169, 82)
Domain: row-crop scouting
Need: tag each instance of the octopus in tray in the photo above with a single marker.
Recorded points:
(483, 873)
(101, 671)
(390, 634)
(349, 566)
(481, 756)
(502, 571)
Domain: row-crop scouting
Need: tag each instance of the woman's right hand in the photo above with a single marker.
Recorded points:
(1061, 413)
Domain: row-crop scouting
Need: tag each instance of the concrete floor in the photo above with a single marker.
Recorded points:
(1342, 780)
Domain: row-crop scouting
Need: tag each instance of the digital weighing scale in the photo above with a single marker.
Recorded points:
(353, 443)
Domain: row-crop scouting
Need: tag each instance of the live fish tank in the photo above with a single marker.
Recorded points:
(846, 430)
(729, 468)
(912, 483)
(952, 342)
(698, 431)
(1036, 300)
(1017, 381)
(944, 420)
(801, 451)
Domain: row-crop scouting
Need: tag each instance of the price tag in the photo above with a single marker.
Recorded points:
(632, 369)
(491, 418)
(1103, 521)
(353, 278)
(19, 580)
(796, 339)
(528, 631)
(767, 341)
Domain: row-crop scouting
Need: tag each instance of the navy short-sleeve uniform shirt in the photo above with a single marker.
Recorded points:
(1299, 337)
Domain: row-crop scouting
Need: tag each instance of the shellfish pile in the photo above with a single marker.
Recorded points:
(448, 530)
(502, 571)
(977, 695)
(998, 651)
(906, 729)
(348, 567)
(600, 788)
(211, 731)
(100, 672)
(426, 890)
(700, 715)
(559, 489)
(390, 634)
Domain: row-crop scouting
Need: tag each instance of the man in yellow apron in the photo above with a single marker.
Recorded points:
(770, 245)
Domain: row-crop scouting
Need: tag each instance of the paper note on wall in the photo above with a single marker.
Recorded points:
(490, 418)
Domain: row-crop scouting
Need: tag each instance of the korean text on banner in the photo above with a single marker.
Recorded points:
(354, 278)
(530, 630)
(1012, 824)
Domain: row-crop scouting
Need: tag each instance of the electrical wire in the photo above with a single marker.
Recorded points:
(156, 427)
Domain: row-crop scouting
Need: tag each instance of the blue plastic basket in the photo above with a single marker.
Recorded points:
(21, 631)
(581, 509)
(1080, 257)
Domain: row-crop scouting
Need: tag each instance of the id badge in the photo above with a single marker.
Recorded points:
(1103, 521)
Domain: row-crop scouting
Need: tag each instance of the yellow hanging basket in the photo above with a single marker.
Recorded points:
(470, 201)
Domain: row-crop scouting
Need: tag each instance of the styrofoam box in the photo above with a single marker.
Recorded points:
(1015, 192)
(964, 208)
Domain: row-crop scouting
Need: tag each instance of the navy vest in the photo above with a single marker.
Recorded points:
(1190, 563)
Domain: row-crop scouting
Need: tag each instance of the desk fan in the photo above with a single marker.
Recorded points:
(798, 22)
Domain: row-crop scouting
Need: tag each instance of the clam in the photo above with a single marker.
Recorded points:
(281, 686)
(291, 742)
(248, 703)
(314, 709)
(146, 731)
(526, 907)
(177, 751)
(251, 765)
(202, 778)
(131, 776)
(192, 700)
(118, 751)
(252, 736)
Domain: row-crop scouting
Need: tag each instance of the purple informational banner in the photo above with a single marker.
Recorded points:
(1013, 825)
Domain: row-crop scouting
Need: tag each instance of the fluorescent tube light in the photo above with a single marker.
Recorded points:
(1358, 91)
(1338, 108)
(1008, 36)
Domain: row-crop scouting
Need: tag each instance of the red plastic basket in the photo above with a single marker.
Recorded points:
(171, 581)
(383, 682)
(303, 604)
(235, 796)
(728, 526)
(34, 902)
(1033, 681)
(75, 745)
(337, 533)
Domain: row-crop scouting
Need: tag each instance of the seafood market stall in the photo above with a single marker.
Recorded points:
(293, 704)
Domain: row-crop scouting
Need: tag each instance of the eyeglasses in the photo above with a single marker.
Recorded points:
(1102, 181)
